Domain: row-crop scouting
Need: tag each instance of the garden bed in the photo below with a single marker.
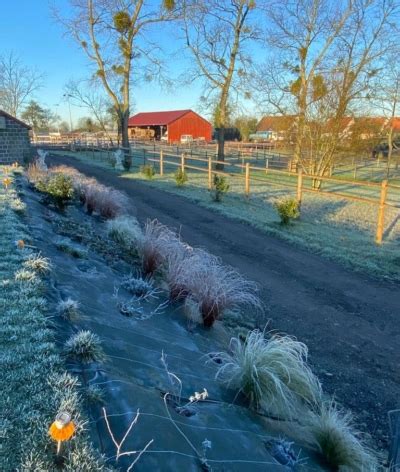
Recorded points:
(156, 358)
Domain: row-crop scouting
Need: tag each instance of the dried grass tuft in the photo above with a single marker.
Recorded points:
(38, 263)
(338, 441)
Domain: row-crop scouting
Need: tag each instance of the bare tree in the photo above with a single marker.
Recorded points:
(302, 33)
(387, 99)
(337, 49)
(216, 34)
(114, 36)
(87, 95)
(17, 83)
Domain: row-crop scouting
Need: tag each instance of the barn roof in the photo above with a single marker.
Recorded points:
(10, 117)
(156, 118)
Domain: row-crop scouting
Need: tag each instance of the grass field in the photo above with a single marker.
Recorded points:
(34, 383)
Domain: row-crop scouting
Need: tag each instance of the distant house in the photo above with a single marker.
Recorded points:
(14, 139)
(169, 125)
(281, 127)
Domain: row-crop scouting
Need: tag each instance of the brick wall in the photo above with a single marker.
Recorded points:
(14, 141)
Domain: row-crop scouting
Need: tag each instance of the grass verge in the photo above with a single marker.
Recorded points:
(34, 384)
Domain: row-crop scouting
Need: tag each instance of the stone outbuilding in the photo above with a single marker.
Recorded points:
(15, 143)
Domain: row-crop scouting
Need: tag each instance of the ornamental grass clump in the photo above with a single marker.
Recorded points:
(217, 288)
(155, 245)
(126, 231)
(176, 269)
(68, 309)
(271, 373)
(338, 441)
(108, 202)
(288, 209)
(35, 173)
(38, 263)
(84, 347)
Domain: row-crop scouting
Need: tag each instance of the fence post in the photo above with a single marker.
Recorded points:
(144, 156)
(247, 179)
(183, 162)
(355, 171)
(381, 213)
(299, 185)
(266, 165)
(209, 173)
(161, 163)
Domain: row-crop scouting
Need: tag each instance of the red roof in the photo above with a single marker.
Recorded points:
(10, 117)
(156, 118)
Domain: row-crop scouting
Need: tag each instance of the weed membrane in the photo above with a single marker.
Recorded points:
(218, 432)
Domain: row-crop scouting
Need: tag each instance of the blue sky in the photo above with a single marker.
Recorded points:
(28, 29)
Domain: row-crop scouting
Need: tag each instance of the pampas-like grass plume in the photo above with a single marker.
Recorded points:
(271, 373)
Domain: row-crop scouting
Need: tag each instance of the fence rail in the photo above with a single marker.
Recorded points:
(381, 194)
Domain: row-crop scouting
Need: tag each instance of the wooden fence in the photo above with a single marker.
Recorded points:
(297, 181)
(245, 171)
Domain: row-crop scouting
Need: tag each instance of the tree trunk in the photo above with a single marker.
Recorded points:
(221, 148)
(124, 129)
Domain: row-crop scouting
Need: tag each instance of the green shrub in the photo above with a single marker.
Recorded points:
(288, 209)
(220, 186)
(127, 161)
(180, 177)
(58, 188)
(148, 171)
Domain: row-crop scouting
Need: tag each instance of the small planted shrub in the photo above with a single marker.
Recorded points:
(337, 440)
(126, 231)
(68, 309)
(288, 209)
(220, 187)
(271, 373)
(137, 286)
(58, 188)
(217, 288)
(38, 263)
(84, 347)
(180, 177)
(148, 171)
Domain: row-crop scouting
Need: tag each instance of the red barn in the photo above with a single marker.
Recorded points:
(169, 125)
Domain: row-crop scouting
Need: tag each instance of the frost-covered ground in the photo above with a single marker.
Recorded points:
(334, 227)
(33, 384)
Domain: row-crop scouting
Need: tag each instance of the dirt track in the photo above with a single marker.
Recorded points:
(349, 322)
